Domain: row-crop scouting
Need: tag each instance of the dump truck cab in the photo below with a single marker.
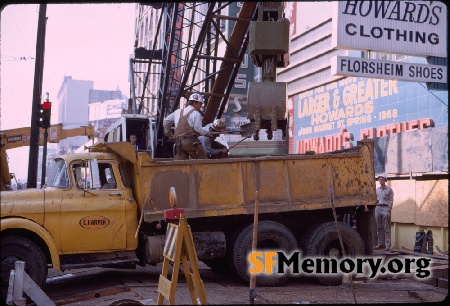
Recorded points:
(76, 212)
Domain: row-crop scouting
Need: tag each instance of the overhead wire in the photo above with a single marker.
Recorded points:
(434, 95)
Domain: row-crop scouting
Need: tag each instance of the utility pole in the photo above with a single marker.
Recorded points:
(37, 91)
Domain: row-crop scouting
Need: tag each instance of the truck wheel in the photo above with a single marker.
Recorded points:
(323, 242)
(15, 248)
(271, 236)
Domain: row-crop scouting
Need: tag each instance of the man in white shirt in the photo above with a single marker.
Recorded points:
(385, 197)
(188, 126)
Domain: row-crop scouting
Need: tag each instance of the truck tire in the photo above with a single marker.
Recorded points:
(15, 248)
(323, 241)
(271, 235)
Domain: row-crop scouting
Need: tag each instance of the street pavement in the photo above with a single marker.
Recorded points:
(115, 286)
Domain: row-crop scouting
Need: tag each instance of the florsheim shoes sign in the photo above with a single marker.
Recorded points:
(402, 27)
(369, 68)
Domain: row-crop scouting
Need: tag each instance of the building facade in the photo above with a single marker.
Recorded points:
(408, 122)
(74, 100)
(146, 22)
(103, 114)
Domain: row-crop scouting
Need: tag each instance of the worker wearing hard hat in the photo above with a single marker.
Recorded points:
(213, 148)
(385, 197)
(188, 126)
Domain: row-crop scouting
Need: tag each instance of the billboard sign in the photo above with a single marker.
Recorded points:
(412, 72)
(337, 115)
(402, 27)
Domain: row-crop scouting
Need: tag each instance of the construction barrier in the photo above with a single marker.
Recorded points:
(179, 247)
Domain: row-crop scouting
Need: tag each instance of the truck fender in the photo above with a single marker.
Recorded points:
(15, 223)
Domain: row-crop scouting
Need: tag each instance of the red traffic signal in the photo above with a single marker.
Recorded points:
(44, 114)
(46, 105)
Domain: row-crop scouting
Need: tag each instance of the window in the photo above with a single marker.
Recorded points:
(81, 174)
(107, 176)
(125, 173)
(86, 174)
(59, 176)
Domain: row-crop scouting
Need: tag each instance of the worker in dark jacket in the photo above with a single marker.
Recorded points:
(213, 148)
(133, 141)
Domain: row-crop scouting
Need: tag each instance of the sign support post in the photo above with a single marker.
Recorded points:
(179, 246)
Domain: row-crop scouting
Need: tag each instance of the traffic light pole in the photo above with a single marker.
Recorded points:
(44, 158)
(37, 90)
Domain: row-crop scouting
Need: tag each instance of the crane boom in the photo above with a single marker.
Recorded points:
(235, 50)
(20, 137)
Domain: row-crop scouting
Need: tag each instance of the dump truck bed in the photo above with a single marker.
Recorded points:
(285, 183)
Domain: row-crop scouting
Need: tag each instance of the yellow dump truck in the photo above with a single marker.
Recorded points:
(106, 208)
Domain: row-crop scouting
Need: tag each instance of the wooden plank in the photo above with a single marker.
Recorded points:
(422, 254)
(9, 297)
(431, 203)
(439, 144)
(189, 249)
(35, 293)
(17, 293)
(189, 277)
(164, 286)
(439, 261)
(437, 268)
(404, 202)
(400, 147)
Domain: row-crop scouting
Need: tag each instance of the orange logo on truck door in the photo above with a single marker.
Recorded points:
(94, 222)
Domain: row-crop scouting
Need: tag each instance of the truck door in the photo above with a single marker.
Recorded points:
(94, 210)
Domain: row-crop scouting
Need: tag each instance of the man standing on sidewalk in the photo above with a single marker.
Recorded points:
(385, 197)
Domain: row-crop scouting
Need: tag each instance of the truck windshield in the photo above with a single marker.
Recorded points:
(59, 176)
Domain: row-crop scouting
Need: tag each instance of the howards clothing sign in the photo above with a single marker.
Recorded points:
(404, 27)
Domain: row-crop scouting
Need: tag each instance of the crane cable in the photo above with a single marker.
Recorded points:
(16, 58)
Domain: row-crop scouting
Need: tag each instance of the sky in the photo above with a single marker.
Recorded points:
(85, 41)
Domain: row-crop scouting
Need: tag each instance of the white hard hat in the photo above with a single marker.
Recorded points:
(219, 125)
(196, 97)
(382, 176)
